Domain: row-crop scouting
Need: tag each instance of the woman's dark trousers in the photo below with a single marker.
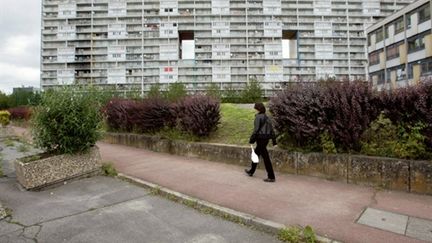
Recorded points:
(261, 150)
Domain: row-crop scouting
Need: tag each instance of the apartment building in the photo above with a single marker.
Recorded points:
(400, 47)
(132, 44)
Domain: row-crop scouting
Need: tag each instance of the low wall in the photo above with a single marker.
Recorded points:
(387, 173)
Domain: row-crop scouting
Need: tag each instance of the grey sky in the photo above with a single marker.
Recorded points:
(19, 43)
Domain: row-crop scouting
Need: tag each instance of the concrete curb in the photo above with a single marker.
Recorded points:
(207, 207)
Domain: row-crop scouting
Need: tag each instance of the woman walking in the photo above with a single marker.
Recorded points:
(262, 133)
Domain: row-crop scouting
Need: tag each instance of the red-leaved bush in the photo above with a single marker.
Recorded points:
(20, 113)
(198, 115)
(409, 106)
(130, 115)
(344, 109)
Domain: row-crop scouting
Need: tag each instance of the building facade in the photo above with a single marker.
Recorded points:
(400, 47)
(132, 44)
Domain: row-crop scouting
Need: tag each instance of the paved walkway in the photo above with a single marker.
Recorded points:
(332, 208)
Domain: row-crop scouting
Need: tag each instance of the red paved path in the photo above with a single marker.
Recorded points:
(331, 208)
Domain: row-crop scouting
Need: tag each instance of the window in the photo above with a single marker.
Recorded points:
(416, 43)
(424, 14)
(386, 29)
(393, 51)
(369, 39)
(426, 67)
(408, 21)
(379, 35)
(374, 58)
(398, 25)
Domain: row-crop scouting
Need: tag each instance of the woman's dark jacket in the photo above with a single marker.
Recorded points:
(263, 129)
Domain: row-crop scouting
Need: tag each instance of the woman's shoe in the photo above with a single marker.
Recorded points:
(247, 172)
(269, 180)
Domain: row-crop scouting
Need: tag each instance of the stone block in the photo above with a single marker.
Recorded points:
(421, 177)
(283, 161)
(365, 170)
(311, 164)
(49, 170)
(336, 166)
(395, 174)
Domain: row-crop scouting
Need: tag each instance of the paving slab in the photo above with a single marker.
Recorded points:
(420, 229)
(102, 209)
(148, 219)
(68, 199)
(384, 220)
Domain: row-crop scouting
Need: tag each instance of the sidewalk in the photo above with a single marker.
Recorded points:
(331, 208)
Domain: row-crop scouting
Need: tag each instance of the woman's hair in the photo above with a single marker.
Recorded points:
(260, 107)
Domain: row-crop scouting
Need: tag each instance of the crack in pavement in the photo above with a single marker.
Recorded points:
(10, 220)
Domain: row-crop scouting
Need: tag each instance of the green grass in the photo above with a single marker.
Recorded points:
(236, 125)
(23, 148)
(9, 143)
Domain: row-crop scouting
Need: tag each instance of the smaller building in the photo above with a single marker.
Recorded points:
(400, 47)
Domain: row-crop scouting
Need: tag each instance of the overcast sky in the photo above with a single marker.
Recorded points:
(19, 43)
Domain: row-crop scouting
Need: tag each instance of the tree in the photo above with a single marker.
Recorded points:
(252, 92)
(175, 92)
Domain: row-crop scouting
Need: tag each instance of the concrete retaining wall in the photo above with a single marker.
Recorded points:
(387, 173)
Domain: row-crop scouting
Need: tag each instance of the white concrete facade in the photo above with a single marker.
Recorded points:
(137, 43)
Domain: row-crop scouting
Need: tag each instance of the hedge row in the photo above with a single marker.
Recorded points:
(198, 115)
(345, 110)
(20, 113)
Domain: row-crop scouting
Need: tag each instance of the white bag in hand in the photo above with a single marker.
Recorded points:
(254, 156)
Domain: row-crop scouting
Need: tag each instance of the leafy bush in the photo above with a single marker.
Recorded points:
(198, 115)
(150, 115)
(154, 91)
(20, 113)
(252, 92)
(214, 91)
(4, 118)
(411, 142)
(305, 111)
(175, 92)
(327, 143)
(230, 95)
(116, 113)
(380, 138)
(410, 106)
(147, 115)
(67, 121)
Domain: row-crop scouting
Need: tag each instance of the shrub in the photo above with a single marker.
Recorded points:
(175, 92)
(116, 113)
(148, 115)
(154, 91)
(327, 143)
(198, 115)
(410, 106)
(67, 121)
(380, 138)
(214, 91)
(411, 142)
(252, 92)
(305, 111)
(230, 95)
(20, 113)
(4, 118)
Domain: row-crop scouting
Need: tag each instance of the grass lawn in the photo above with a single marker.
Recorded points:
(236, 125)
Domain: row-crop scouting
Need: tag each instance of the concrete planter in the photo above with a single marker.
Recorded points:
(36, 174)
